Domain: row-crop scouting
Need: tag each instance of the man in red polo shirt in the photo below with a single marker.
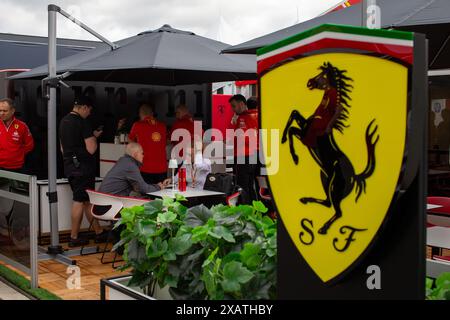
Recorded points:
(246, 154)
(184, 121)
(15, 138)
(152, 136)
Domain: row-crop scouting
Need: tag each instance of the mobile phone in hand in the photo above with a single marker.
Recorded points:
(100, 128)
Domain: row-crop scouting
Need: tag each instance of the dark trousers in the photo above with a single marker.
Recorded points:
(245, 178)
(154, 178)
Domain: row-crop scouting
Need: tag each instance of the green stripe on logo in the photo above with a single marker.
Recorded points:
(391, 34)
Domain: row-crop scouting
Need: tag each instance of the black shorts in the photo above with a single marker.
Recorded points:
(79, 185)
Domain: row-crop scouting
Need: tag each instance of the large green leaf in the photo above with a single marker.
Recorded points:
(249, 229)
(147, 229)
(222, 232)
(235, 274)
(259, 206)
(174, 269)
(271, 253)
(166, 217)
(192, 261)
(447, 295)
(157, 248)
(180, 244)
(197, 216)
(153, 207)
(199, 233)
(250, 255)
(169, 256)
(171, 281)
(429, 283)
(180, 197)
(227, 219)
(236, 229)
(244, 210)
(136, 251)
(139, 279)
(167, 201)
(126, 216)
(209, 279)
(259, 288)
(443, 279)
(181, 211)
(232, 256)
(210, 257)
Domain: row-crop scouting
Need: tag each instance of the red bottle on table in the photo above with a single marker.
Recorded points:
(182, 180)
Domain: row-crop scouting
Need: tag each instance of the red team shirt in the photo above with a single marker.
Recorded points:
(246, 120)
(15, 142)
(151, 135)
(185, 122)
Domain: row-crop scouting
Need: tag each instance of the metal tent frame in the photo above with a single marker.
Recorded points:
(50, 84)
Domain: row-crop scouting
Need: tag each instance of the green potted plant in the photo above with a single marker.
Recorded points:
(221, 252)
(439, 288)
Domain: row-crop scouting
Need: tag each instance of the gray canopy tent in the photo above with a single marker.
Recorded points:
(431, 17)
(165, 56)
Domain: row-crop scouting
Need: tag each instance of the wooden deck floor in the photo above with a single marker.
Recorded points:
(53, 276)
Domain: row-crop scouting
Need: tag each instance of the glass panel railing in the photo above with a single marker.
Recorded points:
(18, 222)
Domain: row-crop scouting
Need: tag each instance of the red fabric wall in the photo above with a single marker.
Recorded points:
(221, 112)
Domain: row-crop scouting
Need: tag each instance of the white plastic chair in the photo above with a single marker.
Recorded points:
(232, 200)
(104, 206)
(263, 188)
(107, 207)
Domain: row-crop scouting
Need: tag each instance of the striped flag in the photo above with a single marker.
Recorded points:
(342, 5)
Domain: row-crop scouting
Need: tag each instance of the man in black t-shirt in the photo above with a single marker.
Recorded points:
(78, 145)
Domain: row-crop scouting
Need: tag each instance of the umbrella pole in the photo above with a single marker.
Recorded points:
(55, 250)
(55, 247)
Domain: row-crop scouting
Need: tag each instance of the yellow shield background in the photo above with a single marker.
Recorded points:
(379, 92)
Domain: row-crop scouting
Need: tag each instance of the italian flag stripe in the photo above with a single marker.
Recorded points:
(400, 47)
(350, 30)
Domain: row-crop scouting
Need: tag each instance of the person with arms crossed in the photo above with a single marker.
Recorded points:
(16, 140)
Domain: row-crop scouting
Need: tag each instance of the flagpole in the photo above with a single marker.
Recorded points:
(332, 8)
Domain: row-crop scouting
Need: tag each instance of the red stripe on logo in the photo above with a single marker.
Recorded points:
(404, 53)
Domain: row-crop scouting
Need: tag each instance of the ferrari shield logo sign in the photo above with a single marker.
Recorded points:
(342, 118)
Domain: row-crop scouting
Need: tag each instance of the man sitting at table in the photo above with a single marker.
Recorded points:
(125, 178)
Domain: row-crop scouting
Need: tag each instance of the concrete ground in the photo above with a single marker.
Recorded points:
(8, 293)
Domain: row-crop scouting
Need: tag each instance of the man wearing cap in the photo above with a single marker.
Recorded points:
(78, 145)
(152, 136)
(15, 138)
